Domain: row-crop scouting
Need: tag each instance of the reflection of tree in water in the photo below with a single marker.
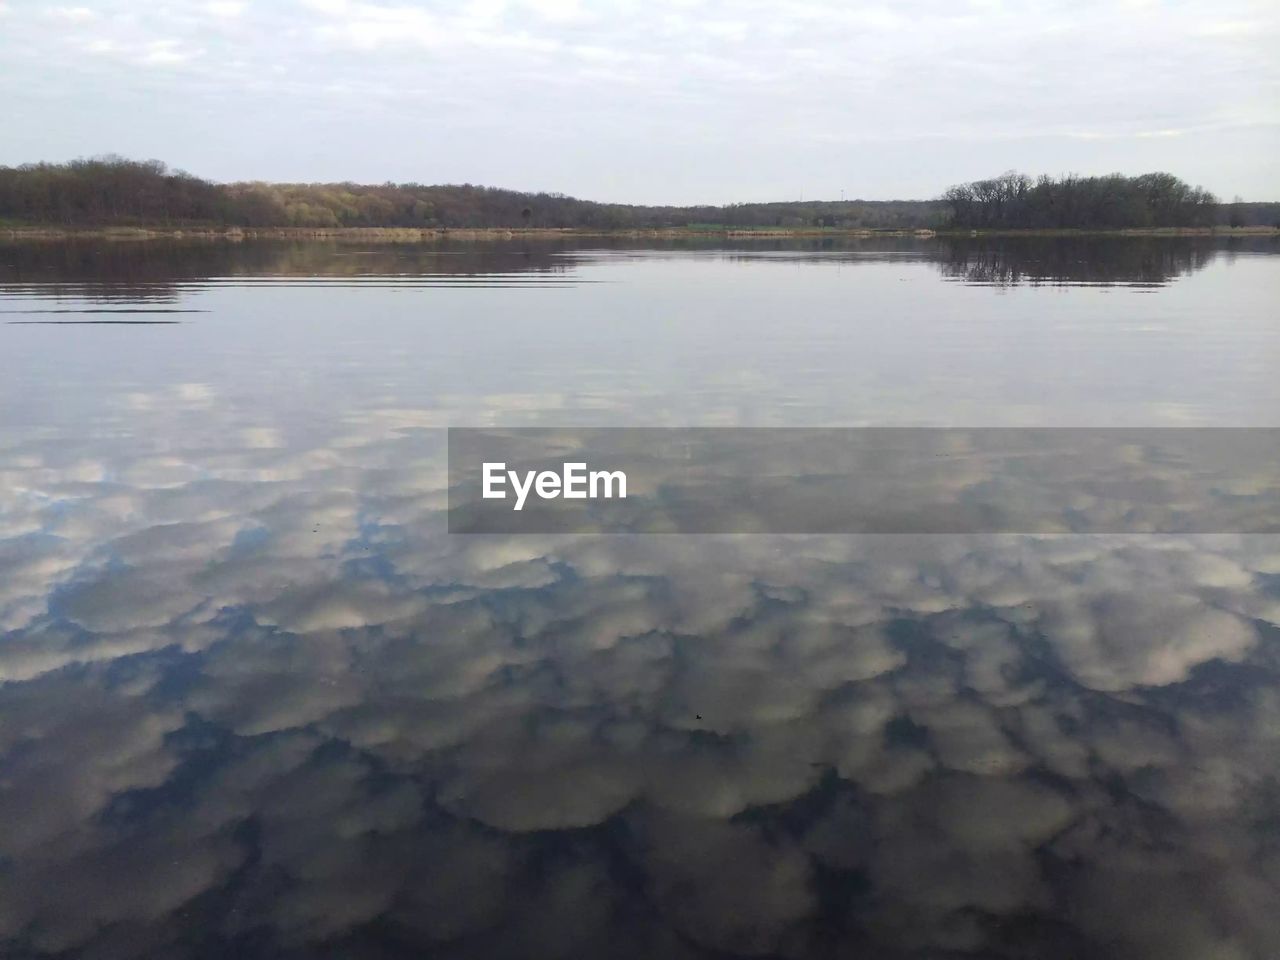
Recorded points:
(158, 270)
(1009, 261)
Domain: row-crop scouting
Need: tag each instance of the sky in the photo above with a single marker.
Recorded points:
(652, 101)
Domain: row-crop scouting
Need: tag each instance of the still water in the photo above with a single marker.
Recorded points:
(255, 701)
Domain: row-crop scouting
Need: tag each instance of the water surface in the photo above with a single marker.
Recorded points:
(256, 702)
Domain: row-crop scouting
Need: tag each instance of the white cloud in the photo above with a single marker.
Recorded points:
(165, 53)
(226, 8)
(590, 90)
(556, 10)
(72, 14)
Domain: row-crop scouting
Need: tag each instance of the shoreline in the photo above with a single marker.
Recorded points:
(482, 234)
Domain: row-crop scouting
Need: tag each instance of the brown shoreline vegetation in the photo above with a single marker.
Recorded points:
(119, 198)
(491, 234)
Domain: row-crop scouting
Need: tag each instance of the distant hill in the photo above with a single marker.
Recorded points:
(112, 191)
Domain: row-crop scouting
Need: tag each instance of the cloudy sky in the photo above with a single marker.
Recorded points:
(652, 100)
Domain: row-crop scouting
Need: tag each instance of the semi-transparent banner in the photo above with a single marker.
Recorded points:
(864, 480)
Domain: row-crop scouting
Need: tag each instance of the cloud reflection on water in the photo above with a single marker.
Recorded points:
(256, 702)
(336, 715)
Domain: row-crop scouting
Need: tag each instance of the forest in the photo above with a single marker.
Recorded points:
(1014, 201)
(113, 191)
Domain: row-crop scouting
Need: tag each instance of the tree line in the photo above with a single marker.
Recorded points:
(1014, 201)
(112, 191)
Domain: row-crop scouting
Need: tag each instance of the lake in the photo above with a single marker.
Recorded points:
(257, 701)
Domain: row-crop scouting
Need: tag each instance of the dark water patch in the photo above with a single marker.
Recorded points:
(108, 310)
(91, 323)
